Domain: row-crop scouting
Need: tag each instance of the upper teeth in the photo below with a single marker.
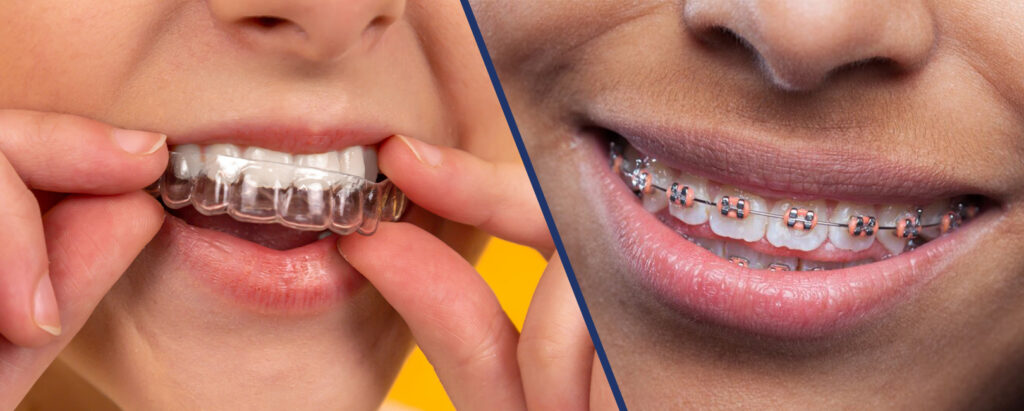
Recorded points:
(840, 236)
(358, 161)
(334, 191)
(780, 235)
(797, 225)
(749, 228)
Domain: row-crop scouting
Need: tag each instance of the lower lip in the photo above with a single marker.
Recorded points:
(304, 280)
(793, 304)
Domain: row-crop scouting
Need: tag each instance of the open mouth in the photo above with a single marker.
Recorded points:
(779, 234)
(798, 266)
(257, 225)
(277, 199)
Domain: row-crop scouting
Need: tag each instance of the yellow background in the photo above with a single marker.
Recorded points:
(512, 271)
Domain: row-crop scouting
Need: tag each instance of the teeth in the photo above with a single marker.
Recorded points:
(265, 186)
(656, 183)
(370, 163)
(750, 229)
(661, 176)
(730, 250)
(780, 235)
(698, 213)
(784, 264)
(227, 169)
(791, 263)
(819, 265)
(857, 263)
(716, 247)
(754, 259)
(840, 236)
(888, 216)
(269, 172)
(352, 162)
(323, 161)
(189, 162)
(264, 170)
(933, 214)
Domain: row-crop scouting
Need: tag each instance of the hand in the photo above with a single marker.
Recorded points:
(73, 219)
(478, 354)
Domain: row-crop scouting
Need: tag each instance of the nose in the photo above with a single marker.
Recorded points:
(317, 30)
(801, 42)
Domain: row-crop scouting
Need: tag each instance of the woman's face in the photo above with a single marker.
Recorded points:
(205, 319)
(847, 108)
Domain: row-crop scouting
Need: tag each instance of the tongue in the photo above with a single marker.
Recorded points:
(274, 236)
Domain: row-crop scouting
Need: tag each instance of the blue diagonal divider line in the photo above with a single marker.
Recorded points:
(543, 204)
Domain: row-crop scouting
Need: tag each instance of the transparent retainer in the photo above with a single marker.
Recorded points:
(302, 198)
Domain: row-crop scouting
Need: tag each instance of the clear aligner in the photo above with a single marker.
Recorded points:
(634, 172)
(259, 191)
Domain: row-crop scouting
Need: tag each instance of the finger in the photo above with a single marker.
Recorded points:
(601, 397)
(65, 153)
(555, 351)
(452, 313)
(91, 241)
(456, 185)
(28, 309)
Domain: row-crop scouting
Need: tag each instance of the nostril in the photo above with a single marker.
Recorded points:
(724, 36)
(267, 22)
(877, 64)
(269, 25)
(381, 21)
(724, 39)
(377, 26)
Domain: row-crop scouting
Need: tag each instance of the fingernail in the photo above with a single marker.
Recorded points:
(45, 312)
(425, 153)
(138, 142)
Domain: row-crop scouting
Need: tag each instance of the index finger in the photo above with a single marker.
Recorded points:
(71, 154)
(456, 185)
(451, 311)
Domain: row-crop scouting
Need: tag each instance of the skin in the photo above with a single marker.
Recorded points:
(941, 90)
(133, 328)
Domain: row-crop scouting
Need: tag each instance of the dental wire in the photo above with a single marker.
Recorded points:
(616, 153)
(782, 217)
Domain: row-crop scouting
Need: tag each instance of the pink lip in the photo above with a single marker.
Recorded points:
(795, 304)
(304, 280)
(768, 163)
(281, 136)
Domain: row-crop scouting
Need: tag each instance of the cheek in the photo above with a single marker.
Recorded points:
(473, 115)
(60, 54)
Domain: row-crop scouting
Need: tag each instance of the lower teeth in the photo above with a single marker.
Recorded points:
(313, 200)
(744, 256)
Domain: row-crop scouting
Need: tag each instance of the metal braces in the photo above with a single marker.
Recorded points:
(910, 227)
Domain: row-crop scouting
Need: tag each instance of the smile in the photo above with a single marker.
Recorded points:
(336, 191)
(255, 223)
(800, 266)
(828, 234)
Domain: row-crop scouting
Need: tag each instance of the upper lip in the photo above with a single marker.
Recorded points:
(292, 136)
(772, 165)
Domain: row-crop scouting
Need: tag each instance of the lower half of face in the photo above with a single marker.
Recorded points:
(735, 241)
(273, 141)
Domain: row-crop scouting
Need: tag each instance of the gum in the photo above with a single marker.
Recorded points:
(310, 199)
